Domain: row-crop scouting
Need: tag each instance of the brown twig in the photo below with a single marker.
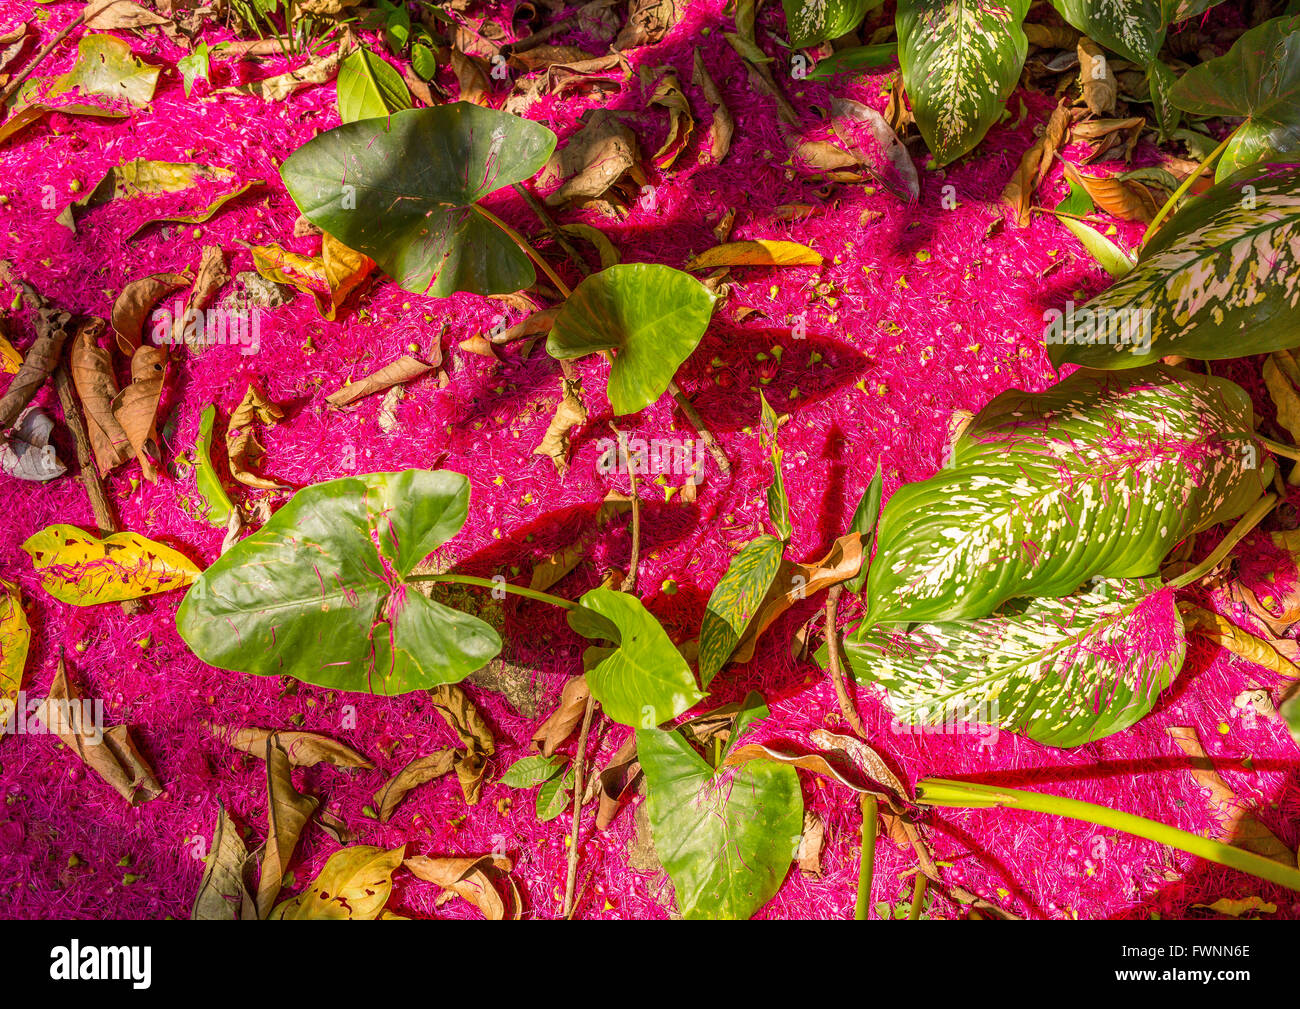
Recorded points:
(105, 516)
(45, 50)
(538, 37)
(697, 422)
(579, 766)
(847, 708)
(553, 229)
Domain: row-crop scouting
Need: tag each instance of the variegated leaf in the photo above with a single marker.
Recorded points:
(1062, 671)
(1133, 28)
(960, 60)
(735, 601)
(811, 21)
(1219, 280)
(1180, 10)
(1101, 474)
(778, 502)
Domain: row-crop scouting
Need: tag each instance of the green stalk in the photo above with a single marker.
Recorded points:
(1279, 448)
(918, 896)
(488, 583)
(1210, 159)
(527, 250)
(973, 795)
(867, 859)
(1235, 535)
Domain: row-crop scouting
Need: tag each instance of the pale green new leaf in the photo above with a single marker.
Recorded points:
(207, 483)
(1064, 671)
(1101, 475)
(368, 87)
(1110, 256)
(529, 772)
(735, 601)
(960, 60)
(553, 796)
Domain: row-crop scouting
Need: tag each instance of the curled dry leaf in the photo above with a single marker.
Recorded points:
(472, 76)
(809, 855)
(287, 813)
(354, 885)
(81, 569)
(596, 158)
(331, 276)
(110, 753)
(471, 877)
(570, 413)
(868, 137)
(1282, 376)
(561, 722)
(537, 324)
(648, 21)
(41, 359)
(418, 772)
(318, 70)
(460, 713)
(681, 123)
(824, 158)
(724, 126)
(815, 762)
(213, 275)
(242, 446)
(223, 893)
(1238, 641)
(136, 407)
(1127, 199)
(756, 253)
(28, 454)
(1100, 88)
(1237, 824)
(616, 782)
(401, 371)
(862, 756)
(92, 375)
(132, 306)
(304, 749)
(12, 43)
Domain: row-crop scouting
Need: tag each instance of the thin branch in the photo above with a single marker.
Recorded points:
(553, 229)
(44, 51)
(697, 422)
(847, 708)
(579, 766)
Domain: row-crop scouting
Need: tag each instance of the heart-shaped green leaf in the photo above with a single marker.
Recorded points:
(736, 600)
(369, 88)
(1258, 79)
(650, 316)
(811, 21)
(1133, 28)
(312, 596)
(960, 61)
(1221, 279)
(1102, 474)
(1063, 671)
(726, 838)
(643, 680)
(404, 190)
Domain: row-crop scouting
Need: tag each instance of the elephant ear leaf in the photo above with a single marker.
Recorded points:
(404, 190)
(1257, 79)
(1133, 28)
(1221, 279)
(318, 592)
(727, 836)
(1062, 671)
(652, 317)
(1101, 475)
(960, 61)
(643, 680)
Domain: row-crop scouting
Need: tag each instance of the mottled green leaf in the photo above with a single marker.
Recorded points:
(778, 502)
(106, 66)
(811, 21)
(735, 601)
(1101, 475)
(1133, 28)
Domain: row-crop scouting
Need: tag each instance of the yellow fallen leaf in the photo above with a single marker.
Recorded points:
(1239, 642)
(81, 569)
(15, 637)
(331, 276)
(11, 359)
(758, 253)
(353, 886)
(1236, 908)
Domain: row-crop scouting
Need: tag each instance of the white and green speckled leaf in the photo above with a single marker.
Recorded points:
(735, 601)
(811, 21)
(778, 502)
(1101, 475)
(960, 61)
(1221, 279)
(1133, 28)
(1062, 671)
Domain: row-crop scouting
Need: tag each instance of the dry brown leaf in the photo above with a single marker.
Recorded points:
(111, 753)
(472, 75)
(330, 277)
(1281, 375)
(1238, 641)
(471, 877)
(132, 306)
(595, 158)
(242, 447)
(561, 722)
(724, 126)
(417, 772)
(12, 43)
(823, 157)
(105, 15)
(223, 893)
(1127, 199)
(809, 855)
(544, 56)
(304, 749)
(212, 277)
(863, 757)
(464, 718)
(815, 762)
(92, 376)
(1237, 824)
(796, 582)
(39, 361)
(401, 371)
(287, 813)
(276, 89)
(616, 782)
(1277, 624)
(570, 413)
(1018, 194)
(1051, 36)
(536, 324)
(1055, 135)
(648, 21)
(1100, 88)
(136, 406)
(681, 123)
(549, 571)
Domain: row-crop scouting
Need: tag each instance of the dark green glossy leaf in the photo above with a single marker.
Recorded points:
(735, 601)
(643, 680)
(864, 524)
(310, 594)
(404, 190)
(857, 58)
(960, 61)
(1133, 28)
(1221, 279)
(811, 21)
(207, 483)
(1101, 475)
(369, 88)
(1062, 671)
(652, 317)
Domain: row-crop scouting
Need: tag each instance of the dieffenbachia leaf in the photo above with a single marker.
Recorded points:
(641, 681)
(778, 502)
(15, 638)
(1257, 79)
(404, 190)
(369, 88)
(651, 316)
(1133, 28)
(81, 569)
(1101, 475)
(812, 21)
(960, 61)
(1174, 11)
(726, 837)
(735, 601)
(864, 524)
(1062, 671)
(319, 592)
(1221, 279)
